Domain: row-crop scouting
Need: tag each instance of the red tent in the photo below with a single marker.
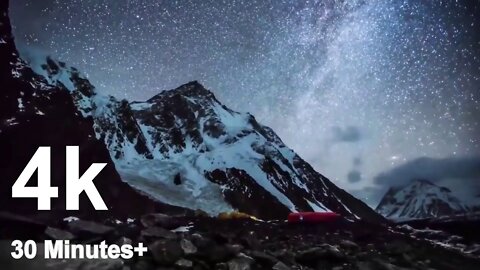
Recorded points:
(313, 217)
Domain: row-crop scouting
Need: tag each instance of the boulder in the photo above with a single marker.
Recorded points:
(312, 256)
(157, 232)
(166, 251)
(57, 234)
(280, 266)
(347, 244)
(188, 247)
(184, 264)
(263, 258)
(218, 253)
(123, 241)
(242, 262)
(161, 220)
(81, 227)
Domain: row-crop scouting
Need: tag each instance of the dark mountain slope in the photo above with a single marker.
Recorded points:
(34, 113)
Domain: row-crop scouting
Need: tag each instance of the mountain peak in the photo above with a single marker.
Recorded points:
(192, 89)
(226, 160)
(423, 182)
(194, 83)
(419, 199)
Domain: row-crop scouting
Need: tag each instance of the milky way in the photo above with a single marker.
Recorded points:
(356, 88)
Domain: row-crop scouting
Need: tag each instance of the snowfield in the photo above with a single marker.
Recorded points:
(155, 178)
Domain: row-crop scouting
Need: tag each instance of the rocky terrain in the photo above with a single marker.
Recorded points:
(201, 242)
(423, 210)
(458, 232)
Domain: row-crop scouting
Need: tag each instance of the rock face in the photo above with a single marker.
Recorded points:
(420, 199)
(35, 113)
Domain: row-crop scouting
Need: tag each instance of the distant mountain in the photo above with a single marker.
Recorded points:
(420, 199)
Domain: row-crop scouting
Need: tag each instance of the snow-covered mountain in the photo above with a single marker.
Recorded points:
(221, 159)
(189, 132)
(114, 122)
(420, 199)
(184, 148)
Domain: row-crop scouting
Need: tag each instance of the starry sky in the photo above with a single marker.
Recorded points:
(371, 92)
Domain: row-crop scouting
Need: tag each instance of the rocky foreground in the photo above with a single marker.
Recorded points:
(202, 242)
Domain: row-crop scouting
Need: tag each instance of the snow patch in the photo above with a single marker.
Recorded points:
(155, 178)
(11, 121)
(183, 229)
(317, 207)
(21, 107)
(130, 220)
(70, 219)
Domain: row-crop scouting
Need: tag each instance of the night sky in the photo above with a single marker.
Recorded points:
(362, 90)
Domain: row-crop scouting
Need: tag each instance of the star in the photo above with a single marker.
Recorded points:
(405, 74)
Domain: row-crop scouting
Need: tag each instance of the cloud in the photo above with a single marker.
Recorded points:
(357, 161)
(346, 134)
(460, 174)
(432, 169)
(354, 176)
